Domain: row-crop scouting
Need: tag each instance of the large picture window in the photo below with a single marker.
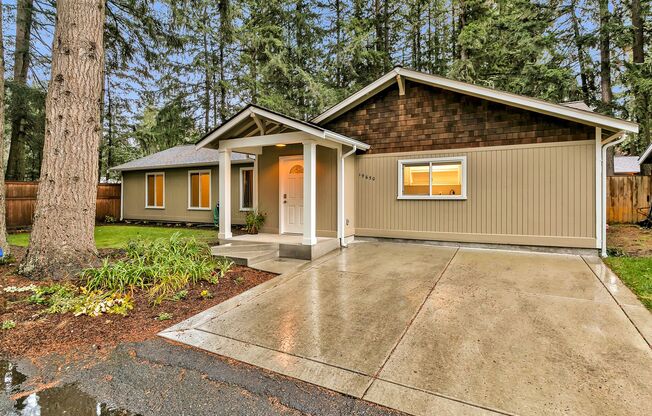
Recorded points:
(439, 178)
(155, 190)
(246, 189)
(199, 189)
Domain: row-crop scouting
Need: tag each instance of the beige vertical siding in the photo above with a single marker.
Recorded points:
(176, 196)
(541, 194)
(268, 187)
(350, 179)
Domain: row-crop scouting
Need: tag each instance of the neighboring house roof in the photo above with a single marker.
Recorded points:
(626, 164)
(254, 118)
(568, 112)
(646, 155)
(186, 155)
(580, 105)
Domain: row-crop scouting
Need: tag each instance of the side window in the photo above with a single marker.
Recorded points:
(439, 178)
(199, 194)
(155, 190)
(246, 189)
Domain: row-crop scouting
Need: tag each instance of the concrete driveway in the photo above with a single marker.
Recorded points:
(441, 330)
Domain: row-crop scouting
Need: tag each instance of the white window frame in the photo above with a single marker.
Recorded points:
(253, 179)
(210, 190)
(430, 162)
(147, 175)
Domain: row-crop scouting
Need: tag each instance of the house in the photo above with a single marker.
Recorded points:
(180, 185)
(625, 165)
(418, 156)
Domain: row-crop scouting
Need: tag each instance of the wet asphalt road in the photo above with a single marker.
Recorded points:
(158, 378)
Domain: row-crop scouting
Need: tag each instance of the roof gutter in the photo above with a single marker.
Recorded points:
(610, 141)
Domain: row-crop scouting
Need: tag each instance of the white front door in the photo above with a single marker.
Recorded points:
(291, 195)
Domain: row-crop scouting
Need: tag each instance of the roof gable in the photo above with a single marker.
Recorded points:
(532, 104)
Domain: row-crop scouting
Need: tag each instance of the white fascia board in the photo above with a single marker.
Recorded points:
(510, 99)
(346, 140)
(319, 132)
(522, 101)
(184, 165)
(268, 140)
(371, 89)
(225, 127)
(645, 154)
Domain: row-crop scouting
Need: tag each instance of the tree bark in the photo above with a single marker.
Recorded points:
(586, 79)
(605, 55)
(3, 224)
(62, 238)
(638, 34)
(16, 165)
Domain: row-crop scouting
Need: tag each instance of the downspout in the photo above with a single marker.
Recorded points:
(342, 219)
(122, 196)
(611, 141)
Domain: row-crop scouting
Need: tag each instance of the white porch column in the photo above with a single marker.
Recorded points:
(340, 195)
(309, 193)
(225, 194)
(255, 179)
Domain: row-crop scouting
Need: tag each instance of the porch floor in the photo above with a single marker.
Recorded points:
(291, 239)
(252, 249)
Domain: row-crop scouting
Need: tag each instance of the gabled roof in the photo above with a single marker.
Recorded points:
(251, 119)
(186, 155)
(533, 104)
(646, 155)
(626, 164)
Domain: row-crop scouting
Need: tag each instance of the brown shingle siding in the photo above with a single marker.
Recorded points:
(429, 118)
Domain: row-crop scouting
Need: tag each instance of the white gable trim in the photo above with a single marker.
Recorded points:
(515, 100)
(645, 155)
(252, 111)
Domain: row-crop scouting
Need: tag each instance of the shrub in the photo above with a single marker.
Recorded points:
(180, 295)
(224, 266)
(108, 219)
(205, 294)
(164, 316)
(56, 298)
(162, 267)
(96, 303)
(8, 324)
(254, 220)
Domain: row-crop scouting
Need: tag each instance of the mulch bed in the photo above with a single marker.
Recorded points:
(630, 239)
(40, 334)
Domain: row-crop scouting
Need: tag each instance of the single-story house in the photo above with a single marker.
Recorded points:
(626, 165)
(418, 156)
(180, 185)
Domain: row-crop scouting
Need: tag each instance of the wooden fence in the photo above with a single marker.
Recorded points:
(21, 202)
(625, 196)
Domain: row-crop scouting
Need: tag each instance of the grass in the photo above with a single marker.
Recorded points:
(636, 273)
(117, 236)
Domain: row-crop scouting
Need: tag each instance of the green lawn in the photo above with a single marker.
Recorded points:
(635, 272)
(117, 236)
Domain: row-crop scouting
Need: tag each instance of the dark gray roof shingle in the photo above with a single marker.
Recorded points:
(185, 155)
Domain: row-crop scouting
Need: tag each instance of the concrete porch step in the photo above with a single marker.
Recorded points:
(279, 265)
(246, 254)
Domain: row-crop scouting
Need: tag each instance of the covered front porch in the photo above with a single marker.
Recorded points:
(303, 178)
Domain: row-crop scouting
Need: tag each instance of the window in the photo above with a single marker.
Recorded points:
(246, 189)
(440, 178)
(155, 190)
(199, 192)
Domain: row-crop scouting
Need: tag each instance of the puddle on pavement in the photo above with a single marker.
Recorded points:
(55, 401)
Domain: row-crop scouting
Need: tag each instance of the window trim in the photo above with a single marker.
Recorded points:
(253, 179)
(210, 190)
(430, 162)
(147, 175)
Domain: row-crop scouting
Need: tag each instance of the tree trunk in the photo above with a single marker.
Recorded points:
(62, 238)
(638, 38)
(3, 224)
(605, 55)
(582, 58)
(16, 165)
